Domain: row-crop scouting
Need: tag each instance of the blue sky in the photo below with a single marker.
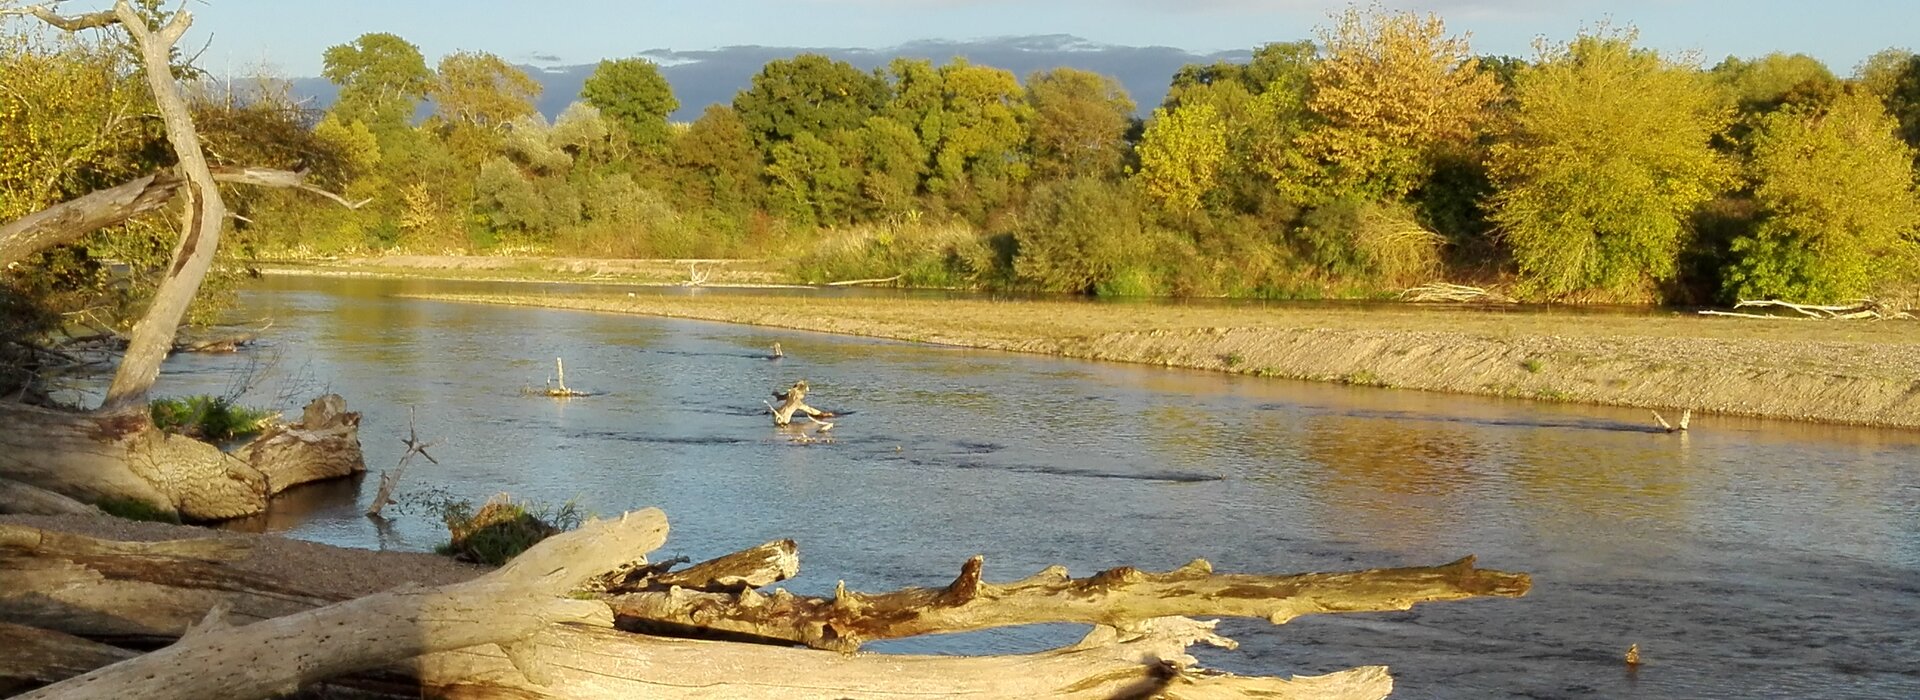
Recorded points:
(290, 34)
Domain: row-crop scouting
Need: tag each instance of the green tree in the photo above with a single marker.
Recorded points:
(1834, 184)
(1894, 75)
(891, 164)
(1391, 91)
(482, 90)
(807, 94)
(717, 162)
(983, 130)
(1764, 84)
(381, 78)
(1080, 123)
(1181, 155)
(812, 184)
(1610, 153)
(634, 95)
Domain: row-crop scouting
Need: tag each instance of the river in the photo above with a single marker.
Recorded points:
(1747, 559)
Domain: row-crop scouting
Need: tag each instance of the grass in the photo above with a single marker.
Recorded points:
(135, 509)
(212, 418)
(501, 529)
(1533, 365)
(1233, 360)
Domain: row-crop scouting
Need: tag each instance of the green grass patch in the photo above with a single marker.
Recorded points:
(1234, 360)
(136, 509)
(203, 417)
(1364, 377)
(1533, 365)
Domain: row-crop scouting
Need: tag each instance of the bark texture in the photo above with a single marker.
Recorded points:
(324, 444)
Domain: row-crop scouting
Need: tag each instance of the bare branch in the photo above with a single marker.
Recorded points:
(269, 177)
(91, 20)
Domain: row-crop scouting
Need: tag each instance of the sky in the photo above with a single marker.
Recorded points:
(289, 35)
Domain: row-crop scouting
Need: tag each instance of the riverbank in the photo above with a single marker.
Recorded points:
(1857, 373)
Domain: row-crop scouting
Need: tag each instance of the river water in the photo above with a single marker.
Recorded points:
(1748, 559)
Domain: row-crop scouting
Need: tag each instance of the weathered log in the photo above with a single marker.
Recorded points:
(25, 499)
(280, 655)
(1115, 597)
(96, 457)
(143, 592)
(1150, 660)
(324, 444)
(764, 565)
(31, 657)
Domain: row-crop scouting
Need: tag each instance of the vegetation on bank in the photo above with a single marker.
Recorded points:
(1381, 154)
(209, 418)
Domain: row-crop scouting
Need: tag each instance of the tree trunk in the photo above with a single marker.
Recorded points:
(96, 458)
(204, 216)
(25, 499)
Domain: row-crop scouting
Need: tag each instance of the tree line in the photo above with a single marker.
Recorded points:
(1382, 154)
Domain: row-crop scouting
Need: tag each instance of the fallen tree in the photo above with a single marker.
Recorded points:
(567, 635)
(98, 457)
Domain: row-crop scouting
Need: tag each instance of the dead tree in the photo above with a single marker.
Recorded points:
(558, 641)
(114, 452)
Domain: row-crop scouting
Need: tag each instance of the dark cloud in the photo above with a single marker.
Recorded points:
(704, 77)
(543, 58)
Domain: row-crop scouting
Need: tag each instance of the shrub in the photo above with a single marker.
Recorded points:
(501, 529)
(212, 418)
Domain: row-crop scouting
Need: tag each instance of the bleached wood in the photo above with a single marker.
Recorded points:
(280, 655)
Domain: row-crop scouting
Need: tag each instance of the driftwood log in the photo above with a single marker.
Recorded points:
(95, 457)
(280, 655)
(569, 645)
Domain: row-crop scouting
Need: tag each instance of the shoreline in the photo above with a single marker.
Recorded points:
(1839, 372)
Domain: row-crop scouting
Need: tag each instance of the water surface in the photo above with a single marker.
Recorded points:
(1747, 559)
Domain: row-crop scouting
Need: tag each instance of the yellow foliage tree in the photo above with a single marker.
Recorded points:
(1181, 155)
(1389, 89)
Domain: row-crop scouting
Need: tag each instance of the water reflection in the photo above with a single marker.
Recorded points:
(1749, 559)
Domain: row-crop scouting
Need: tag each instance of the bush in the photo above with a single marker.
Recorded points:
(501, 529)
(212, 418)
(1084, 236)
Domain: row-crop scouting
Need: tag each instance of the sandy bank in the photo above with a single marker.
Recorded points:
(1858, 373)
